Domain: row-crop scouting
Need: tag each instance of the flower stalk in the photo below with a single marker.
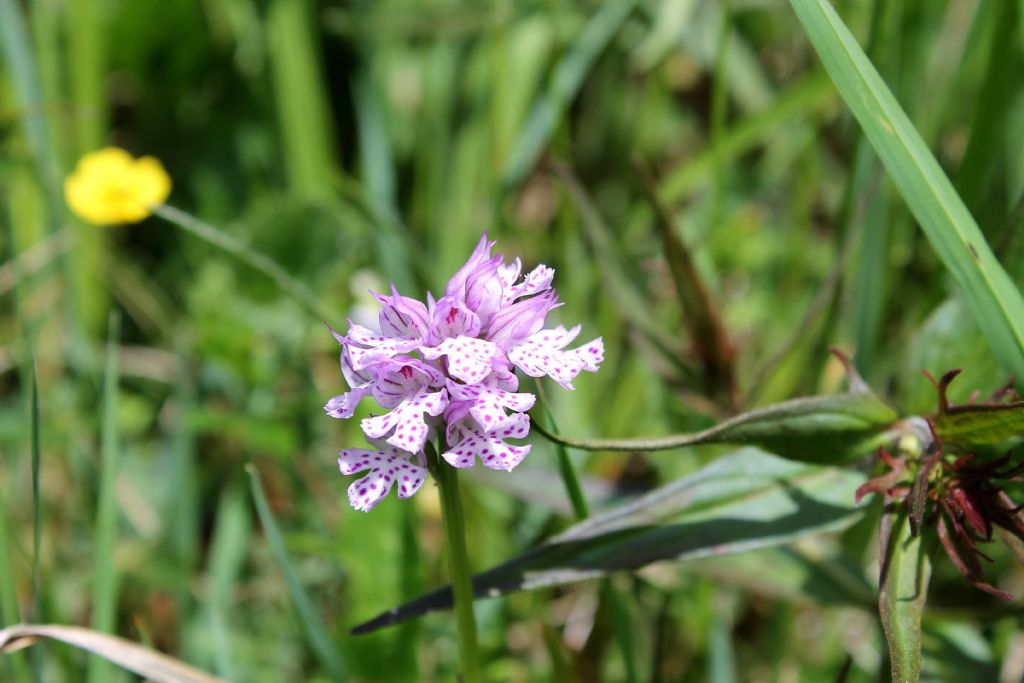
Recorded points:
(460, 573)
(244, 253)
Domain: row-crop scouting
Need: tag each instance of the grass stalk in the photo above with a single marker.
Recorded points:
(104, 594)
(247, 255)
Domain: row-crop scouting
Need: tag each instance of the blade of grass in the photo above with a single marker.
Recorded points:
(312, 625)
(104, 594)
(303, 110)
(228, 549)
(37, 519)
(947, 224)
(565, 83)
(565, 466)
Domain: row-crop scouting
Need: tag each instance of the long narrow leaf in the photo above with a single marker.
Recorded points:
(948, 225)
(739, 502)
(104, 596)
(126, 654)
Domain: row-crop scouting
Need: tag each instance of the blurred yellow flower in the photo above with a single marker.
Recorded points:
(110, 186)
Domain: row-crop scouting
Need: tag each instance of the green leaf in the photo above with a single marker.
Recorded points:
(742, 501)
(947, 224)
(975, 424)
(819, 429)
(981, 425)
(902, 593)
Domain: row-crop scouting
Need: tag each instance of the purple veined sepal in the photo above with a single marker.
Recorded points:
(389, 466)
(402, 317)
(360, 384)
(470, 442)
(541, 354)
(450, 317)
(479, 263)
(366, 347)
(519, 320)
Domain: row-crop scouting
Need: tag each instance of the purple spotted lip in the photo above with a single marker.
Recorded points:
(450, 365)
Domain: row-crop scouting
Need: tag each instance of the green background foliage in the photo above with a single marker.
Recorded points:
(361, 143)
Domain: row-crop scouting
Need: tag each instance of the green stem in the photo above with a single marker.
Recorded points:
(458, 565)
(246, 254)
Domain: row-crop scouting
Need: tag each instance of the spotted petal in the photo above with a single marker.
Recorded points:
(488, 404)
(542, 354)
(468, 359)
(410, 428)
(344, 405)
(387, 467)
(490, 447)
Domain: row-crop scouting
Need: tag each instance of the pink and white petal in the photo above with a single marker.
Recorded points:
(591, 353)
(378, 426)
(536, 361)
(411, 429)
(353, 460)
(468, 359)
(518, 429)
(409, 478)
(557, 337)
(364, 336)
(344, 406)
(364, 494)
(508, 457)
(508, 273)
(489, 403)
(537, 280)
(491, 448)
(461, 455)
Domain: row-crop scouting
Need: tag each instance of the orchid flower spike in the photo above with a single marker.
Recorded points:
(447, 367)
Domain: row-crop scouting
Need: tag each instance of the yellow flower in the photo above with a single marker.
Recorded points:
(109, 186)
